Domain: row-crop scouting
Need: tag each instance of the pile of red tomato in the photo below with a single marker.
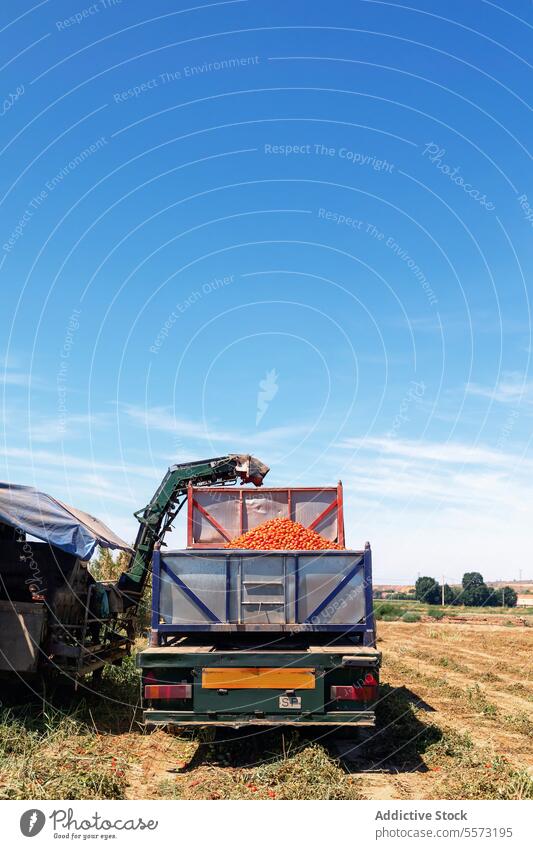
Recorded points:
(282, 535)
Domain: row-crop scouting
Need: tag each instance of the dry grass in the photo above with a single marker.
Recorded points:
(307, 773)
(473, 772)
(55, 756)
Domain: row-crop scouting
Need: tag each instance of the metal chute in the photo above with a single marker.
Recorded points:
(250, 469)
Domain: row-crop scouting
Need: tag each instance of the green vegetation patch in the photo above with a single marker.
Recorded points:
(388, 611)
(410, 617)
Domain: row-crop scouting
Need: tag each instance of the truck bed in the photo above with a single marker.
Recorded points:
(188, 647)
(232, 591)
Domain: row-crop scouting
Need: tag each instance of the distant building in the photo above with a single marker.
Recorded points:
(524, 601)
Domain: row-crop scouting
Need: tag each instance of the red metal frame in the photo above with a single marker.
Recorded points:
(212, 520)
(192, 504)
(189, 514)
(323, 515)
(340, 514)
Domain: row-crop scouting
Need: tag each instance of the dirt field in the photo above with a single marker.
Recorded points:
(473, 682)
(455, 720)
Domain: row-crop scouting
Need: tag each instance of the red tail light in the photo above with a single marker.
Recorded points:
(168, 691)
(366, 692)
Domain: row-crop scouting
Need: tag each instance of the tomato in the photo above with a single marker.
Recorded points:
(282, 534)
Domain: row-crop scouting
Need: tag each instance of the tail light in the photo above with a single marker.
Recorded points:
(168, 691)
(365, 692)
(155, 690)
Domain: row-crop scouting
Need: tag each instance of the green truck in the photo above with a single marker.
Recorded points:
(242, 637)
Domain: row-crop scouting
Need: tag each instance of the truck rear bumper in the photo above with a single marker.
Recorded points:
(365, 719)
(187, 652)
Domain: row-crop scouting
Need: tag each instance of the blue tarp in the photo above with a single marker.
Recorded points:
(52, 521)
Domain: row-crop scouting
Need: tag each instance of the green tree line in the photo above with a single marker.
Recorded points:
(473, 592)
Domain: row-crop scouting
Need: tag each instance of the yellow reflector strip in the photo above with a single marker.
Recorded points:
(258, 678)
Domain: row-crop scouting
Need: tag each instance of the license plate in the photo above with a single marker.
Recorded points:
(290, 702)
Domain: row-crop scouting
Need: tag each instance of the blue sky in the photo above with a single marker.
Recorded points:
(297, 230)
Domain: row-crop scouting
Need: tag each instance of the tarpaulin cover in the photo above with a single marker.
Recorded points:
(59, 524)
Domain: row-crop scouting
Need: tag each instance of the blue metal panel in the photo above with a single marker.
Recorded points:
(228, 588)
(336, 590)
(296, 588)
(355, 561)
(348, 628)
(344, 629)
(182, 629)
(369, 638)
(188, 592)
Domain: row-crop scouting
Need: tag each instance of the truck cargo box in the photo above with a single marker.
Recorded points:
(250, 591)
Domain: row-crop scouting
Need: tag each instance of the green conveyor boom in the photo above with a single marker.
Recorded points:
(156, 518)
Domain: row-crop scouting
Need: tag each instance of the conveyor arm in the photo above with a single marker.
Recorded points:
(155, 519)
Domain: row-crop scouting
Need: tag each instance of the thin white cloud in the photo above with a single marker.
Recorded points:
(161, 419)
(58, 429)
(511, 389)
(455, 453)
(44, 459)
(13, 373)
(16, 378)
